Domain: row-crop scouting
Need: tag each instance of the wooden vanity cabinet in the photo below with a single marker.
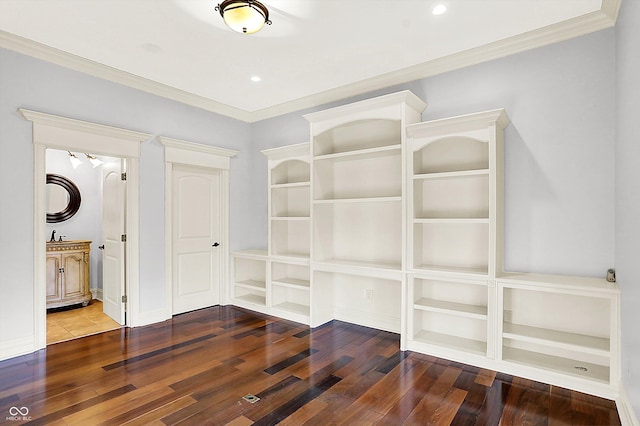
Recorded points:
(68, 273)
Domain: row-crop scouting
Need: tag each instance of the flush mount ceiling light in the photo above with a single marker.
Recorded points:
(244, 16)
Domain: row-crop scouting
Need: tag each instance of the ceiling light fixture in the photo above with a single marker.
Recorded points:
(256, 79)
(75, 161)
(244, 16)
(95, 162)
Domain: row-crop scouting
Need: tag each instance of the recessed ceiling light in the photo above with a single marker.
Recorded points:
(439, 9)
(256, 78)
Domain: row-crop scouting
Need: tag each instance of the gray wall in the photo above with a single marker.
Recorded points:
(33, 84)
(628, 192)
(559, 150)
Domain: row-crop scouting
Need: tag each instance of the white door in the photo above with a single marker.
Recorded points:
(196, 250)
(113, 253)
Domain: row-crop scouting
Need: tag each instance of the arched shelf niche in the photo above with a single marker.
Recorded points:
(290, 171)
(356, 136)
(451, 154)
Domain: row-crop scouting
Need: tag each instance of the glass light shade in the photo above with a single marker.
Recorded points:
(75, 161)
(244, 16)
(95, 162)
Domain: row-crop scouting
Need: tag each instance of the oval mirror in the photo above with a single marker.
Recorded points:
(63, 198)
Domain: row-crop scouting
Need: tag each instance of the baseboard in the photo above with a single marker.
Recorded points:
(367, 319)
(97, 293)
(625, 409)
(151, 317)
(17, 347)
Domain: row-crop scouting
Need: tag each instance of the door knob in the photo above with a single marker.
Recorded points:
(216, 244)
(101, 247)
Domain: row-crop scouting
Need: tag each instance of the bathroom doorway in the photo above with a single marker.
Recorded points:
(96, 277)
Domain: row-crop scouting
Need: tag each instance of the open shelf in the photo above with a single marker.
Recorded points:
(291, 185)
(252, 298)
(558, 339)
(452, 269)
(252, 285)
(451, 154)
(452, 308)
(356, 233)
(290, 172)
(455, 220)
(357, 135)
(451, 175)
(359, 176)
(452, 342)
(461, 197)
(556, 364)
(290, 201)
(295, 308)
(456, 246)
(362, 154)
(359, 200)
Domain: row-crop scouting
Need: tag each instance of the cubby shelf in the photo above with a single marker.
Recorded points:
(292, 283)
(451, 175)
(253, 299)
(362, 154)
(557, 339)
(291, 185)
(564, 366)
(448, 341)
(453, 220)
(390, 199)
(295, 308)
(252, 285)
(451, 308)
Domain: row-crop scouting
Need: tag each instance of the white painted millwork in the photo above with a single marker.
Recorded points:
(277, 281)
(113, 253)
(406, 235)
(196, 230)
(51, 131)
(196, 200)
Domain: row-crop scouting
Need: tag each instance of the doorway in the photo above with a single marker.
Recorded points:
(51, 131)
(196, 256)
(98, 225)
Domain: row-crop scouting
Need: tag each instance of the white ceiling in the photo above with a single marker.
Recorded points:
(315, 52)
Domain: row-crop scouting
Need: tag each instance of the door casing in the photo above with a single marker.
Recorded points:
(193, 154)
(51, 131)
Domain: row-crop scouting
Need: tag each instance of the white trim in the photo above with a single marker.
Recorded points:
(16, 347)
(178, 151)
(96, 293)
(591, 22)
(51, 131)
(625, 409)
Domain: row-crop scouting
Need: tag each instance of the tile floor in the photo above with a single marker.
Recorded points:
(78, 322)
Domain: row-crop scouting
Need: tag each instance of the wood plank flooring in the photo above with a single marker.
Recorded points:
(195, 369)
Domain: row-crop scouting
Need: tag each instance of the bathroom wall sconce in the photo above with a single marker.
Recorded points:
(95, 162)
(75, 161)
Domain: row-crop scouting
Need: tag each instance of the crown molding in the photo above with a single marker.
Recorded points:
(591, 22)
(56, 56)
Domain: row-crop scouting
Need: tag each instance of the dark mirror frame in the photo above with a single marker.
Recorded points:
(74, 198)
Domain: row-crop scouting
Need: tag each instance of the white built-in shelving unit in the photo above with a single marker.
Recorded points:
(454, 227)
(389, 222)
(249, 278)
(358, 187)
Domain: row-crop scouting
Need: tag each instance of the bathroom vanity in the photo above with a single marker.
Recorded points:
(68, 273)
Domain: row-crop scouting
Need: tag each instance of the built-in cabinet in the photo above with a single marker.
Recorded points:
(277, 281)
(389, 222)
(68, 273)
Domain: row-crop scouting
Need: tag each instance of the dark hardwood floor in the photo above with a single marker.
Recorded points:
(195, 369)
